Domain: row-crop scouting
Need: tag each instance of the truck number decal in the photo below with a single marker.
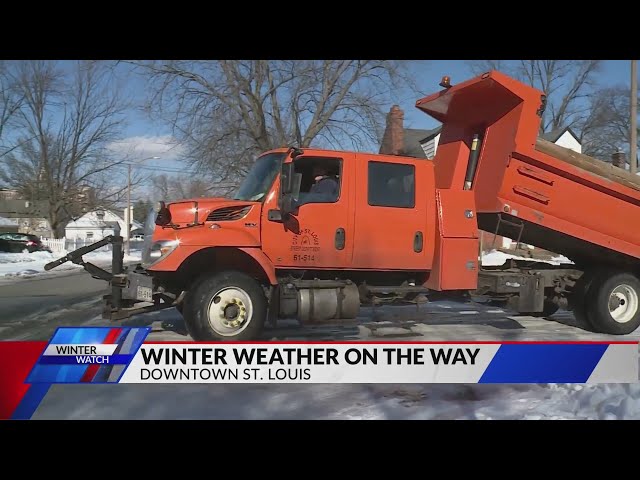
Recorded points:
(304, 258)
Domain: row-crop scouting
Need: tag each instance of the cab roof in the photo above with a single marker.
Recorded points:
(313, 152)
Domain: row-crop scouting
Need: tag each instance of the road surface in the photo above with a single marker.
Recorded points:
(31, 309)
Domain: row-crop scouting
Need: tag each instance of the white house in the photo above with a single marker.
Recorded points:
(96, 225)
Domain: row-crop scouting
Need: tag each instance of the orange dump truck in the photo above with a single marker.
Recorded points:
(397, 227)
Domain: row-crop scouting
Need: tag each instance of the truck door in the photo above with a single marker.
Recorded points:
(391, 205)
(319, 236)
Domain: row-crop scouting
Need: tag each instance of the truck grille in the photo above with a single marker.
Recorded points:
(228, 213)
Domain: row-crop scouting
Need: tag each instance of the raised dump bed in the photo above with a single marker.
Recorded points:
(544, 195)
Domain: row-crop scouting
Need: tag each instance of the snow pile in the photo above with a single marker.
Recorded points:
(17, 265)
(344, 402)
(495, 258)
(7, 222)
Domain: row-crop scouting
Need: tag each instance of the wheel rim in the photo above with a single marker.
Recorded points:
(623, 303)
(230, 311)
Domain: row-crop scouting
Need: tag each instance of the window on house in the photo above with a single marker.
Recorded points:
(89, 235)
(391, 185)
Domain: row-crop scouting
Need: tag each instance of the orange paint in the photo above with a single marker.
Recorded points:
(436, 230)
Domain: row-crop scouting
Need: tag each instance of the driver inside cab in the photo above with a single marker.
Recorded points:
(324, 190)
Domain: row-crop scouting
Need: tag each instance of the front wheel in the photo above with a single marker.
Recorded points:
(225, 306)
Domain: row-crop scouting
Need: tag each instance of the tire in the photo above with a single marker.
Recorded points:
(613, 303)
(578, 299)
(237, 294)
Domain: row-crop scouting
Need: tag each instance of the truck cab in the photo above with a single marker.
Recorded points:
(276, 235)
(380, 218)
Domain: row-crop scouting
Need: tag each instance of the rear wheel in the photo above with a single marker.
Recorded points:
(226, 306)
(578, 299)
(613, 303)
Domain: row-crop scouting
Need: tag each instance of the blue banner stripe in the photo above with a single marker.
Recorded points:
(543, 363)
(82, 335)
(78, 359)
(140, 334)
(102, 376)
(52, 369)
(121, 339)
(30, 401)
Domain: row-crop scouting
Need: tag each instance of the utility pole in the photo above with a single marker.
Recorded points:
(633, 134)
(128, 214)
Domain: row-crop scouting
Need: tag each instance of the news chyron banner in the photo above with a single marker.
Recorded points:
(105, 355)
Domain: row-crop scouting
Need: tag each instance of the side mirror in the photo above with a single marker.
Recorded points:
(289, 205)
(289, 180)
(289, 189)
(286, 178)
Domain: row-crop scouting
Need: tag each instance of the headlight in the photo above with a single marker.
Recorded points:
(160, 250)
(158, 206)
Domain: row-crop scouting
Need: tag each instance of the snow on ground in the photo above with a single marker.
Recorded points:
(26, 265)
(495, 258)
(340, 401)
(344, 402)
(7, 222)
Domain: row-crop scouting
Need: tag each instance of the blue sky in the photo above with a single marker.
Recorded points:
(147, 139)
(429, 74)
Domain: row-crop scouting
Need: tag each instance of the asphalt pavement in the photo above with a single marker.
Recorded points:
(31, 309)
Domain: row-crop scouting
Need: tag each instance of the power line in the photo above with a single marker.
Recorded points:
(168, 169)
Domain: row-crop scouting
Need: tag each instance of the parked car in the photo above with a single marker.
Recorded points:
(21, 242)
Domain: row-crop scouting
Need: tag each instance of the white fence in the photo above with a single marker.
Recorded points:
(57, 245)
(62, 245)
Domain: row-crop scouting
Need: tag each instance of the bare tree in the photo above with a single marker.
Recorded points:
(171, 188)
(68, 119)
(607, 128)
(10, 103)
(568, 85)
(140, 210)
(227, 112)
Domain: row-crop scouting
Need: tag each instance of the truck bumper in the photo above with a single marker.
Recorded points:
(135, 292)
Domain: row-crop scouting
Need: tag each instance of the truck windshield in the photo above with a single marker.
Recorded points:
(260, 178)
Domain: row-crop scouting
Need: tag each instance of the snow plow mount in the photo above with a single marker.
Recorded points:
(76, 257)
(132, 291)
